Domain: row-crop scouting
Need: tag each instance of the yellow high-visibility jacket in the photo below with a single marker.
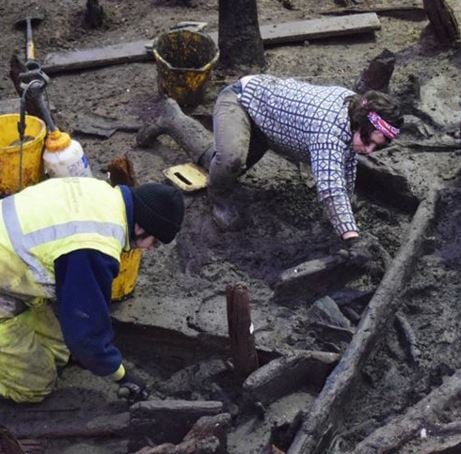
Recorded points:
(45, 221)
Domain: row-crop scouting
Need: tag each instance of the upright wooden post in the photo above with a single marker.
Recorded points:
(241, 330)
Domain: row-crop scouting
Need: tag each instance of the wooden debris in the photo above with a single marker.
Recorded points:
(241, 329)
(385, 183)
(325, 310)
(121, 171)
(310, 269)
(271, 34)
(424, 415)
(114, 54)
(103, 426)
(287, 374)
(209, 431)
(407, 338)
(94, 14)
(170, 420)
(380, 10)
(319, 28)
(315, 278)
(188, 133)
(98, 125)
(324, 415)
(445, 18)
(9, 444)
(378, 73)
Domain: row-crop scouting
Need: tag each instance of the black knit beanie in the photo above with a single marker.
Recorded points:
(158, 209)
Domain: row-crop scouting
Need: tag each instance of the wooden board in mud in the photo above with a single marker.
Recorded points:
(271, 34)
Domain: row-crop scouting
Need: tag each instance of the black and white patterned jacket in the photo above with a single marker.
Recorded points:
(309, 123)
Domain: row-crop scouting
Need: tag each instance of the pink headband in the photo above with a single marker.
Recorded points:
(383, 126)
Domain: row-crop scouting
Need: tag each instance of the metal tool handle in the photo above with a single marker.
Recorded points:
(30, 47)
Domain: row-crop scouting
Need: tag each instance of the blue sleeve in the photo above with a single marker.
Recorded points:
(83, 290)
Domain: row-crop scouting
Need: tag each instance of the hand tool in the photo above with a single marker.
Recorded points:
(28, 23)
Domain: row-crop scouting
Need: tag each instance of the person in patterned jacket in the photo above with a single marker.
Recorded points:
(325, 126)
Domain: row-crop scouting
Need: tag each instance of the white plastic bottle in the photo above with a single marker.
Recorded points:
(64, 157)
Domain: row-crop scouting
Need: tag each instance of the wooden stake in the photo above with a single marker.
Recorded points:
(241, 330)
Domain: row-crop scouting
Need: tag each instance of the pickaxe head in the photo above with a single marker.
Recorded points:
(34, 20)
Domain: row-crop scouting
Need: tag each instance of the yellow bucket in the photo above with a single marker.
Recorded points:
(31, 171)
(123, 285)
(184, 63)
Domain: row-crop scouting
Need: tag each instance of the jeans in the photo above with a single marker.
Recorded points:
(238, 143)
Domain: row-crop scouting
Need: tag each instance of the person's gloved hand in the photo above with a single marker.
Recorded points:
(365, 251)
(132, 388)
(358, 250)
(361, 249)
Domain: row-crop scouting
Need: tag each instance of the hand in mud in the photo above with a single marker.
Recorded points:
(361, 250)
(132, 388)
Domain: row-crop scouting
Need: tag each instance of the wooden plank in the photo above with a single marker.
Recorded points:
(384, 10)
(326, 27)
(271, 34)
(134, 51)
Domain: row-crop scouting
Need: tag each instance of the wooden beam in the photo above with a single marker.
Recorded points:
(138, 51)
(384, 10)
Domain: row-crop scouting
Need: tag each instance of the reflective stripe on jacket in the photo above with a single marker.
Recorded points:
(53, 218)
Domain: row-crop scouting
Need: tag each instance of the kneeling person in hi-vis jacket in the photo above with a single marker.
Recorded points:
(62, 240)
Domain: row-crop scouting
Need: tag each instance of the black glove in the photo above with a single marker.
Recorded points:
(358, 250)
(365, 251)
(132, 388)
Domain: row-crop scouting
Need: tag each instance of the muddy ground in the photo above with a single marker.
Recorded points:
(173, 328)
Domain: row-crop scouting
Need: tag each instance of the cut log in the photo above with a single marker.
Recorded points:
(137, 51)
(285, 375)
(326, 413)
(241, 329)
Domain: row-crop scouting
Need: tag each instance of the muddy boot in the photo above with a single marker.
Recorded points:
(205, 160)
(224, 212)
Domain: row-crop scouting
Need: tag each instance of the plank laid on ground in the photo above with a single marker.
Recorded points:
(136, 51)
(376, 9)
(101, 56)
